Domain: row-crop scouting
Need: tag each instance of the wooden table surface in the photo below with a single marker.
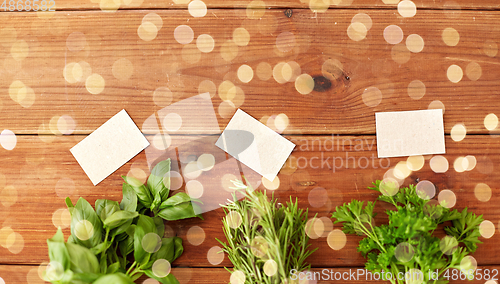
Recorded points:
(64, 73)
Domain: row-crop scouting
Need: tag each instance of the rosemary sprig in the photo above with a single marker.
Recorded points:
(265, 240)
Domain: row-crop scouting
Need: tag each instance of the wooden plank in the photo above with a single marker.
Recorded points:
(39, 175)
(282, 4)
(17, 274)
(108, 38)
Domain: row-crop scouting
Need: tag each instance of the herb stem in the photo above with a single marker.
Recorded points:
(131, 267)
(103, 254)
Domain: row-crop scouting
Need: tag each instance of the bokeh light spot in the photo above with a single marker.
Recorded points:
(447, 198)
(194, 189)
(473, 71)
(147, 31)
(241, 36)
(454, 73)
(404, 252)
(162, 96)
(407, 9)
(450, 36)
(95, 84)
(415, 43)
(151, 242)
(439, 164)
(336, 239)
(84, 230)
(458, 132)
(205, 43)
(357, 31)
(197, 8)
(271, 185)
(161, 268)
(8, 139)
(425, 189)
(245, 73)
(304, 84)
(491, 121)
(482, 192)
(234, 219)
(195, 235)
(372, 96)
(487, 229)
(393, 34)
(215, 255)
(122, 69)
(183, 34)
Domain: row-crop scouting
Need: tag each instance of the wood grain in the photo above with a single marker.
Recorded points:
(283, 4)
(318, 37)
(39, 175)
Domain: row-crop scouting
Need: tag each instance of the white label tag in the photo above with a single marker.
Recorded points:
(255, 145)
(407, 133)
(109, 147)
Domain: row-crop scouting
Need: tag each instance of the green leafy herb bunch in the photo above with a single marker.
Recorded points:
(120, 242)
(265, 239)
(405, 250)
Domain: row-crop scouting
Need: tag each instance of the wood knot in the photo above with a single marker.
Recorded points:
(321, 84)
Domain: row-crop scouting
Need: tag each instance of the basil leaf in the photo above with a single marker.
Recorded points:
(179, 198)
(97, 249)
(86, 225)
(160, 226)
(144, 226)
(117, 278)
(119, 218)
(104, 265)
(137, 276)
(167, 251)
(169, 279)
(113, 267)
(105, 208)
(178, 207)
(139, 252)
(129, 200)
(58, 251)
(127, 246)
(142, 192)
(118, 231)
(69, 203)
(84, 278)
(156, 201)
(179, 249)
(82, 259)
(156, 180)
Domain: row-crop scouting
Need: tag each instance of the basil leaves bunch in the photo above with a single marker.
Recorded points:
(120, 242)
(153, 196)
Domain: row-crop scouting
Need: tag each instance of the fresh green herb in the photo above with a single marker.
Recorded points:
(266, 240)
(406, 246)
(119, 242)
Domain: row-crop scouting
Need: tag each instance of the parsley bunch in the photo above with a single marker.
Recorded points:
(119, 242)
(406, 243)
(265, 239)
